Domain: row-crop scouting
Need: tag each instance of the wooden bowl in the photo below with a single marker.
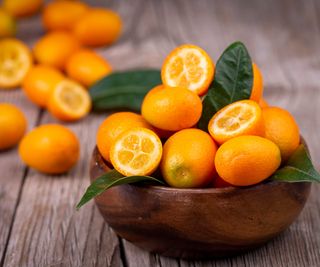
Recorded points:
(199, 223)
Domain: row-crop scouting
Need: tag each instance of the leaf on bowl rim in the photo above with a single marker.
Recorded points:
(108, 180)
(299, 168)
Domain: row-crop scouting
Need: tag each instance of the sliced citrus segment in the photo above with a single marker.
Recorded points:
(69, 101)
(188, 66)
(136, 151)
(113, 126)
(239, 118)
(15, 61)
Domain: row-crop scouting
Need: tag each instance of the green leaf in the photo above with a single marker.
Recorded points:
(108, 180)
(233, 81)
(123, 90)
(299, 168)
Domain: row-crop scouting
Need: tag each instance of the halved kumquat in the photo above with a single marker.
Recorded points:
(69, 101)
(239, 118)
(113, 126)
(15, 62)
(188, 66)
(137, 151)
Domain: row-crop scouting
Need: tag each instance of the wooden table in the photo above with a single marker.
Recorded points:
(38, 222)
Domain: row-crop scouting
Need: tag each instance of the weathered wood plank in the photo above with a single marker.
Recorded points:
(283, 38)
(47, 230)
(12, 170)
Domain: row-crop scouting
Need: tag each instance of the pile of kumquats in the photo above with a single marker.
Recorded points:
(55, 75)
(205, 125)
(241, 144)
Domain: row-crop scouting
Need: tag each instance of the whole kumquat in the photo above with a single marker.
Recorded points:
(282, 129)
(188, 159)
(247, 160)
(171, 109)
(50, 148)
(13, 125)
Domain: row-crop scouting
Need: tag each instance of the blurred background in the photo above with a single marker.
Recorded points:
(39, 225)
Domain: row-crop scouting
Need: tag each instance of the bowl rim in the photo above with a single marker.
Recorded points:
(101, 163)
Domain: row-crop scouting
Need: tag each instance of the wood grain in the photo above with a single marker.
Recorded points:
(38, 223)
(14, 172)
(50, 231)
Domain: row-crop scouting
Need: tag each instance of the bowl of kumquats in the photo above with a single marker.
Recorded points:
(204, 166)
(198, 165)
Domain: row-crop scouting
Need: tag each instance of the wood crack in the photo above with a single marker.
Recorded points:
(122, 253)
(26, 171)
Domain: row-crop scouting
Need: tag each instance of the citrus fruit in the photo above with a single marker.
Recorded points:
(8, 25)
(50, 148)
(282, 129)
(15, 62)
(257, 87)
(190, 67)
(98, 27)
(55, 48)
(40, 82)
(13, 125)
(63, 14)
(263, 103)
(22, 8)
(113, 126)
(247, 160)
(69, 101)
(136, 151)
(239, 118)
(87, 67)
(171, 109)
(188, 159)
